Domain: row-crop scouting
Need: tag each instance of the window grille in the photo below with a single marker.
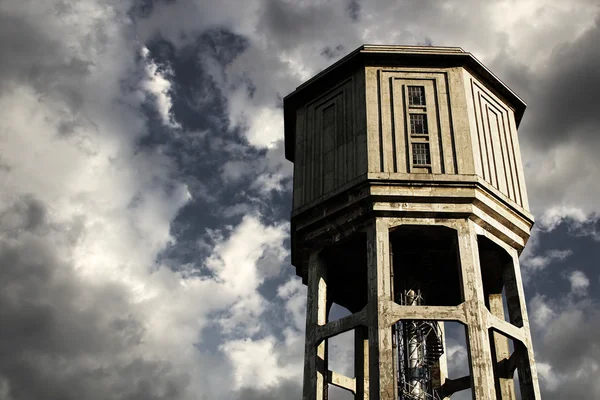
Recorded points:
(418, 124)
(421, 154)
(416, 96)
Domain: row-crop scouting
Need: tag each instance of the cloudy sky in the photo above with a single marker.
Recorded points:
(144, 236)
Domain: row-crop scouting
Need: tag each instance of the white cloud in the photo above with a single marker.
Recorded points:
(262, 124)
(566, 342)
(157, 84)
(234, 259)
(554, 216)
(457, 358)
(256, 364)
(294, 294)
(69, 143)
(547, 376)
(541, 313)
(533, 260)
(579, 283)
(539, 262)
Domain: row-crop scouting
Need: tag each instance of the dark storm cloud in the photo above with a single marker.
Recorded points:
(568, 347)
(565, 101)
(29, 55)
(23, 48)
(290, 23)
(214, 160)
(570, 344)
(62, 338)
(335, 52)
(285, 390)
(353, 9)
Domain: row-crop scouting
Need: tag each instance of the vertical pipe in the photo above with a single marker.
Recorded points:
(414, 353)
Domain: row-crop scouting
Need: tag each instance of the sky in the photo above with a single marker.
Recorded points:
(144, 215)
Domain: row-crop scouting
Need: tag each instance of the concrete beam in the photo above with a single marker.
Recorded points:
(396, 312)
(506, 328)
(341, 381)
(341, 325)
(452, 386)
(505, 385)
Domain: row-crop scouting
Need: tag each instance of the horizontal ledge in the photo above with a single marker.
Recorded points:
(435, 208)
(423, 188)
(341, 381)
(341, 325)
(396, 312)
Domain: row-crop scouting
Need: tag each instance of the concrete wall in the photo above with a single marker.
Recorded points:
(363, 125)
(494, 141)
(388, 120)
(331, 144)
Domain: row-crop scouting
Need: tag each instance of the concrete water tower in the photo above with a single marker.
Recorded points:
(410, 209)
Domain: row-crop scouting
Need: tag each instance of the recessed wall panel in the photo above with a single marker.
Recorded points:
(327, 138)
(495, 144)
(393, 119)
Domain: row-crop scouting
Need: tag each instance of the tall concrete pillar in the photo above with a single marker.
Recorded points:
(361, 362)
(381, 366)
(315, 374)
(505, 388)
(479, 349)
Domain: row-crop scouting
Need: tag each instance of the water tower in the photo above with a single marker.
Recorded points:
(410, 209)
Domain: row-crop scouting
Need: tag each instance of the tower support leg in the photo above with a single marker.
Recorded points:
(381, 360)
(315, 370)
(482, 373)
(505, 387)
(361, 362)
(517, 311)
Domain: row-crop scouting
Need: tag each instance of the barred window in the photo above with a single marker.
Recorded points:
(421, 154)
(418, 124)
(416, 96)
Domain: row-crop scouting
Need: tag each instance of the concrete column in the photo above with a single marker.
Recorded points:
(440, 369)
(505, 386)
(381, 366)
(315, 372)
(517, 312)
(361, 362)
(478, 340)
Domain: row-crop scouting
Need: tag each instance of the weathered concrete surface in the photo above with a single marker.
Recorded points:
(316, 314)
(375, 376)
(355, 176)
(381, 365)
